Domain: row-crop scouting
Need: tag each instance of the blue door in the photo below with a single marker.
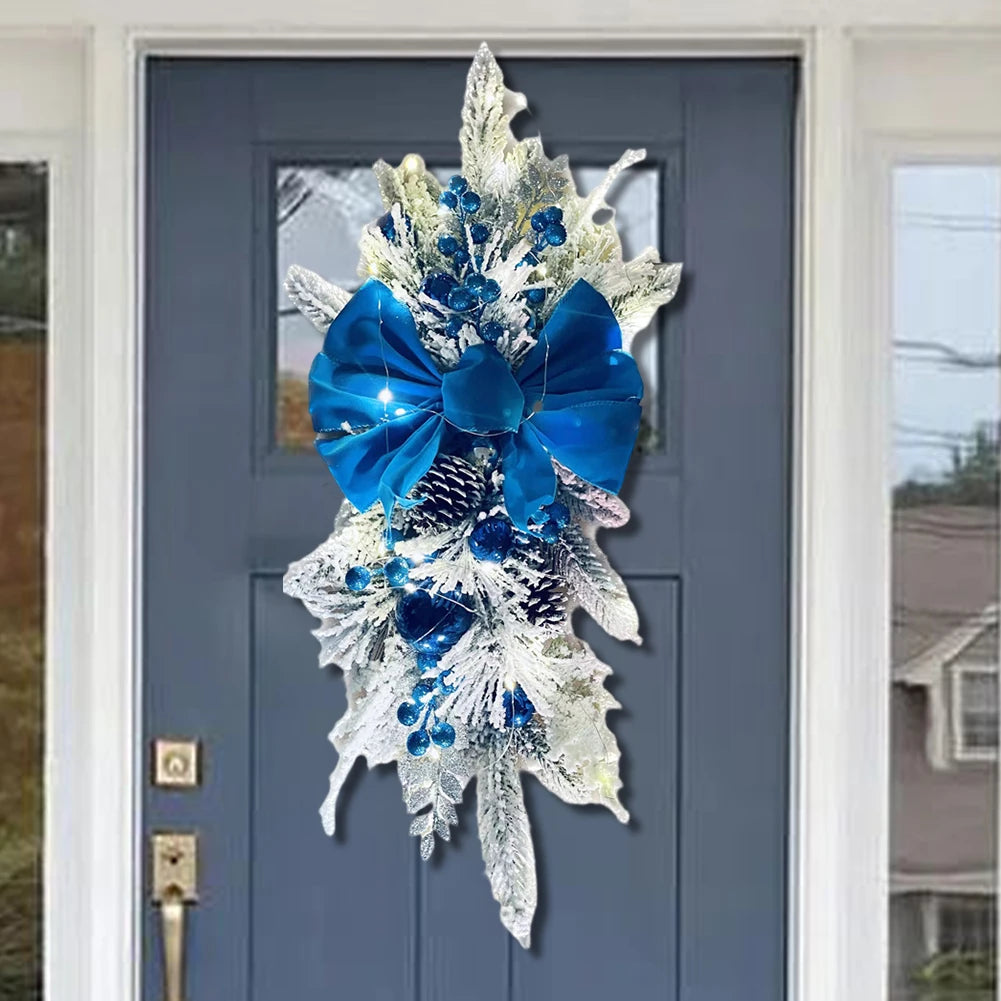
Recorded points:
(252, 164)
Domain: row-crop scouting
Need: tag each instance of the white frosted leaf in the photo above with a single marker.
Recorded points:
(317, 299)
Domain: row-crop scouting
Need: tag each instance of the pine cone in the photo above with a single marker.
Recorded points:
(546, 605)
(452, 489)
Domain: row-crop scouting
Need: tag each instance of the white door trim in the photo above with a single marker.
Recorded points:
(837, 862)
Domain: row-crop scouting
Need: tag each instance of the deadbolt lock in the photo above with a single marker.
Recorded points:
(175, 764)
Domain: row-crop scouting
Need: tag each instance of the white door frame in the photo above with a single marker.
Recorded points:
(838, 746)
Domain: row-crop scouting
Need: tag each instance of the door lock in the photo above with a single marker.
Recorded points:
(175, 885)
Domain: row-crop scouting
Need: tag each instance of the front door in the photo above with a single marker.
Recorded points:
(255, 164)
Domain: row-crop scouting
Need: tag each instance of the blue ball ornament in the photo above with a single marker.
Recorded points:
(518, 708)
(457, 183)
(408, 713)
(536, 296)
(443, 734)
(491, 331)
(433, 623)
(491, 291)
(418, 742)
(358, 578)
(449, 199)
(491, 540)
(470, 201)
(555, 234)
(448, 244)
(438, 285)
(479, 232)
(397, 571)
(461, 299)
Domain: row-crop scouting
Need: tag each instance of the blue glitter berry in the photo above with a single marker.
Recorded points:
(550, 532)
(397, 571)
(418, 742)
(460, 258)
(457, 183)
(539, 221)
(553, 214)
(437, 285)
(423, 691)
(408, 713)
(491, 331)
(454, 326)
(448, 244)
(449, 199)
(491, 291)
(358, 578)
(470, 201)
(536, 296)
(479, 232)
(443, 734)
(461, 299)
(555, 234)
(475, 282)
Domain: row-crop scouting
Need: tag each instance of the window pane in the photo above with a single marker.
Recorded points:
(320, 212)
(946, 314)
(23, 269)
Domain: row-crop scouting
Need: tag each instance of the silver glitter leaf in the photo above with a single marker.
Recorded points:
(599, 589)
(506, 839)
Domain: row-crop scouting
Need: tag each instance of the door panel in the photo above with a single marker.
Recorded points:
(688, 901)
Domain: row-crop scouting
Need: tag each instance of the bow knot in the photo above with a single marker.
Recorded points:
(383, 410)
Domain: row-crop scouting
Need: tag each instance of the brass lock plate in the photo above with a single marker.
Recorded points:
(175, 865)
(176, 764)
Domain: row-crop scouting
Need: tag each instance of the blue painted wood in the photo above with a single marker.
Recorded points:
(688, 901)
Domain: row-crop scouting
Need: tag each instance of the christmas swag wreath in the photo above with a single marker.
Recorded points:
(476, 402)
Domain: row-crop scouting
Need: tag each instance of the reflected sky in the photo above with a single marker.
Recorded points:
(946, 311)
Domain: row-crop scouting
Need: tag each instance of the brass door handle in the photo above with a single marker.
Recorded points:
(172, 915)
(175, 861)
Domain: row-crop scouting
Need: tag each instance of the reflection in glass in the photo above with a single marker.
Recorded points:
(23, 269)
(320, 213)
(944, 700)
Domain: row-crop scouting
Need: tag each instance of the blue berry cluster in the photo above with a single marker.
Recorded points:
(427, 696)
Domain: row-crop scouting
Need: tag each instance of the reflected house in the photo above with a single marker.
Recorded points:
(944, 708)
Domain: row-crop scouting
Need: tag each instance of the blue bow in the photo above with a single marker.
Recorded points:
(383, 410)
